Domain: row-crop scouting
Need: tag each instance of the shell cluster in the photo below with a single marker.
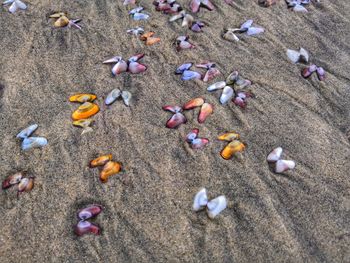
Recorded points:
(117, 93)
(178, 118)
(137, 14)
(149, 39)
(109, 167)
(182, 42)
(239, 96)
(188, 21)
(81, 116)
(187, 74)
(135, 31)
(167, 6)
(213, 207)
(84, 226)
(234, 146)
(196, 4)
(196, 142)
(24, 184)
(279, 164)
(246, 28)
(62, 20)
(28, 141)
(132, 65)
(298, 5)
(15, 5)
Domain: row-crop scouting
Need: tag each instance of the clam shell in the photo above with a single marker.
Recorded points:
(226, 95)
(187, 21)
(232, 148)
(321, 74)
(86, 110)
(189, 75)
(83, 123)
(58, 15)
(152, 40)
(82, 97)
(126, 96)
(206, 110)
(112, 96)
(12, 180)
(100, 161)
(140, 16)
(85, 227)
(275, 155)
(26, 184)
(199, 143)
(216, 206)
(229, 136)
(192, 135)
(211, 74)
(33, 142)
(120, 67)
(89, 212)
(61, 22)
(200, 200)
(27, 131)
(232, 78)
(284, 165)
(197, 102)
(135, 68)
(110, 168)
(216, 86)
(146, 35)
(230, 36)
(136, 57)
(194, 5)
(183, 68)
(173, 109)
(176, 120)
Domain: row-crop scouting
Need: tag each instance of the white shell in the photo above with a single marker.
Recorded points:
(299, 8)
(275, 155)
(126, 96)
(200, 200)
(216, 206)
(284, 165)
(216, 86)
(112, 96)
(226, 95)
(293, 55)
(255, 31)
(27, 131)
(33, 142)
(304, 55)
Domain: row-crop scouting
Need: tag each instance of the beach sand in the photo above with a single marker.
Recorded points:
(301, 216)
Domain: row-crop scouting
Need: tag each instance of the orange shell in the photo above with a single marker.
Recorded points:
(108, 170)
(99, 161)
(61, 22)
(86, 110)
(197, 102)
(232, 148)
(146, 35)
(229, 136)
(152, 40)
(82, 97)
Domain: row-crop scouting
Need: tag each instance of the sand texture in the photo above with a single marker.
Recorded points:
(301, 216)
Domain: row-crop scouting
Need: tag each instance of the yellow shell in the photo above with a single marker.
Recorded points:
(83, 123)
(86, 110)
(61, 22)
(82, 97)
(102, 160)
(232, 148)
(229, 136)
(58, 15)
(109, 169)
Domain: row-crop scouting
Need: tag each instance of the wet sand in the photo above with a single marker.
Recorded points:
(301, 216)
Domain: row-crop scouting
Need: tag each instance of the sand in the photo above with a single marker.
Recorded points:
(301, 216)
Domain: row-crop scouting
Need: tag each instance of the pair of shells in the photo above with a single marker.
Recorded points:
(167, 6)
(15, 5)
(24, 184)
(137, 15)
(182, 42)
(280, 165)
(149, 39)
(132, 65)
(196, 4)
(297, 5)
(246, 28)
(188, 21)
(85, 227)
(117, 93)
(196, 142)
(214, 207)
(109, 167)
(31, 142)
(136, 31)
(187, 74)
(62, 20)
(178, 118)
(233, 147)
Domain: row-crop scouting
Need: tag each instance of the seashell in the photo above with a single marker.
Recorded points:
(136, 57)
(183, 68)
(194, 5)
(100, 161)
(187, 21)
(112, 96)
(211, 74)
(26, 184)
(284, 165)
(200, 200)
(135, 68)
(321, 74)
(246, 25)
(83, 123)
(242, 83)
(15, 4)
(63, 21)
(27, 131)
(12, 180)
(255, 31)
(173, 109)
(126, 96)
(146, 35)
(197, 102)
(241, 98)
(152, 40)
(183, 43)
(120, 67)
(216, 86)
(85, 227)
(232, 148)
(298, 56)
(112, 60)
(307, 72)
(205, 111)
(227, 94)
(136, 10)
(83, 97)
(267, 3)
(178, 16)
(140, 16)
(33, 142)
(58, 15)
(135, 31)
(109, 169)
(299, 8)
(86, 110)
(196, 143)
(192, 135)
(189, 75)
(127, 2)
(232, 78)
(230, 36)
(176, 120)
(229, 136)
(216, 206)
(89, 212)
(197, 26)
(275, 155)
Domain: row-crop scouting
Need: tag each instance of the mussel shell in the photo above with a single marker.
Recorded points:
(86, 110)
(108, 170)
(100, 161)
(82, 97)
